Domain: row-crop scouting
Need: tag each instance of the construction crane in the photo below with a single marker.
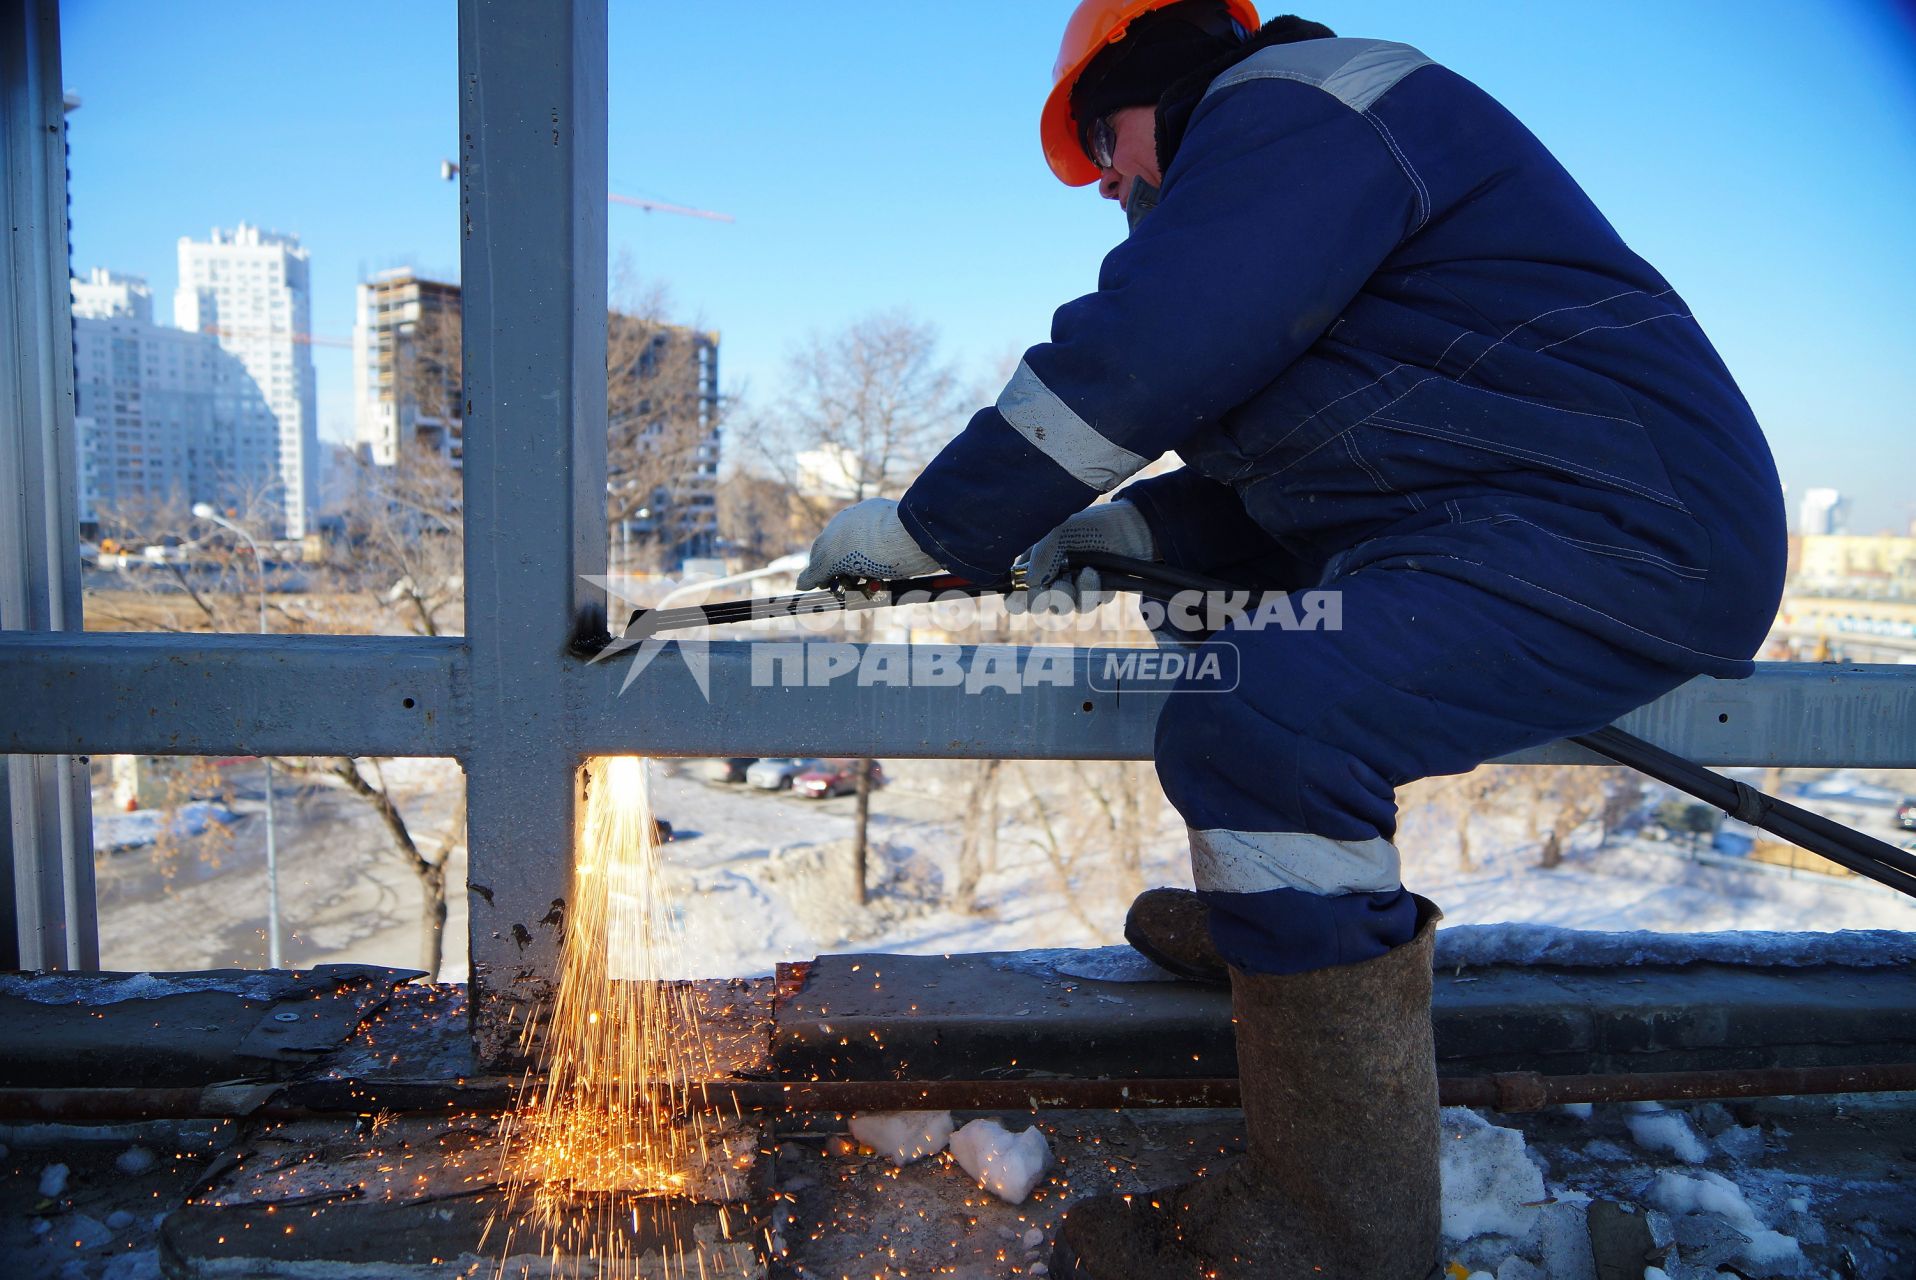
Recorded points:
(448, 171)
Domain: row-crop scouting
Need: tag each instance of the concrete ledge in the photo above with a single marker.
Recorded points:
(996, 1016)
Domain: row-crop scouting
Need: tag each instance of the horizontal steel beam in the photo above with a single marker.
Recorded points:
(1790, 713)
(219, 695)
(833, 699)
(755, 702)
(170, 694)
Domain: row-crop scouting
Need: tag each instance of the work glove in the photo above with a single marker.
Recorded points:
(1115, 528)
(866, 540)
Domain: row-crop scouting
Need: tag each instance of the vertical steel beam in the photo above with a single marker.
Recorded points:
(532, 120)
(49, 833)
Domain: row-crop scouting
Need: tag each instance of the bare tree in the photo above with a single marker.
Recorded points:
(978, 840)
(755, 514)
(875, 400)
(1092, 823)
(1461, 798)
(404, 542)
(349, 773)
(1554, 803)
(177, 840)
(181, 573)
(1055, 840)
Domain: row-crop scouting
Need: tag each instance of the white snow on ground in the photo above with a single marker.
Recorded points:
(1006, 1164)
(1506, 1213)
(903, 1136)
(1713, 1195)
(759, 890)
(1655, 1129)
(1490, 1185)
(50, 989)
(115, 830)
(1476, 945)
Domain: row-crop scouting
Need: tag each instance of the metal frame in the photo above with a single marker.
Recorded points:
(512, 701)
(49, 839)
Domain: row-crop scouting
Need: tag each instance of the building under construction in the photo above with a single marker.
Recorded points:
(348, 1121)
(662, 407)
(406, 368)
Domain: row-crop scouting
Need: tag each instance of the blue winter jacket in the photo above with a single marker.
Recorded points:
(1386, 330)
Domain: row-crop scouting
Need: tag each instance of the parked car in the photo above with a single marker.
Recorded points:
(730, 768)
(834, 778)
(1906, 813)
(775, 773)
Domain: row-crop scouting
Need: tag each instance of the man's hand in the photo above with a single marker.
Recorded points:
(1115, 528)
(866, 540)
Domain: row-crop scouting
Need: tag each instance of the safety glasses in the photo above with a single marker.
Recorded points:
(1101, 142)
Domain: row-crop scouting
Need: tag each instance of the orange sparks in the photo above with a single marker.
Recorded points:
(613, 1124)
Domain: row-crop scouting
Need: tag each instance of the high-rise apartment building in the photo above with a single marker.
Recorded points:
(406, 367)
(251, 291)
(155, 409)
(1824, 511)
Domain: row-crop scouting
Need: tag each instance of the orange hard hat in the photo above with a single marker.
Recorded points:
(1096, 25)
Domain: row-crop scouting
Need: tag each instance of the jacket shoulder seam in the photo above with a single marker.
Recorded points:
(1355, 72)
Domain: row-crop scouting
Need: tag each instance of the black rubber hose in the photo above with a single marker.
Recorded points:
(1860, 852)
(1847, 847)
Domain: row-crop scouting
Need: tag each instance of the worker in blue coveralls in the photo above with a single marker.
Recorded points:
(1403, 357)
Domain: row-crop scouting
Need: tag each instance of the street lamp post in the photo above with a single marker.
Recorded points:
(205, 511)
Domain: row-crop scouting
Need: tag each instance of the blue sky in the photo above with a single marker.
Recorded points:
(1762, 154)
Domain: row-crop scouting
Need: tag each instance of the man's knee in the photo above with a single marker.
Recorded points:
(1292, 931)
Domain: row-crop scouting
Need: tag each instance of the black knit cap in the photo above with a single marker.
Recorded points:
(1161, 48)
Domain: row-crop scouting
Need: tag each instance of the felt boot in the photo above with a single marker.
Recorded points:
(1340, 1181)
(1172, 929)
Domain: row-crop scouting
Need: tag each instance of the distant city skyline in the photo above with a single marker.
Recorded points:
(1764, 162)
(218, 407)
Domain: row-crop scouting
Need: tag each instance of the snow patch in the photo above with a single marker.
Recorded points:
(134, 1160)
(1489, 1183)
(1741, 1142)
(115, 832)
(49, 988)
(1481, 945)
(903, 1136)
(1668, 1131)
(1097, 964)
(53, 1180)
(144, 1265)
(1006, 1164)
(80, 1231)
(1713, 1194)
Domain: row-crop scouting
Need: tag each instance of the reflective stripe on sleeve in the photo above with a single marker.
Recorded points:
(1258, 861)
(1053, 428)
